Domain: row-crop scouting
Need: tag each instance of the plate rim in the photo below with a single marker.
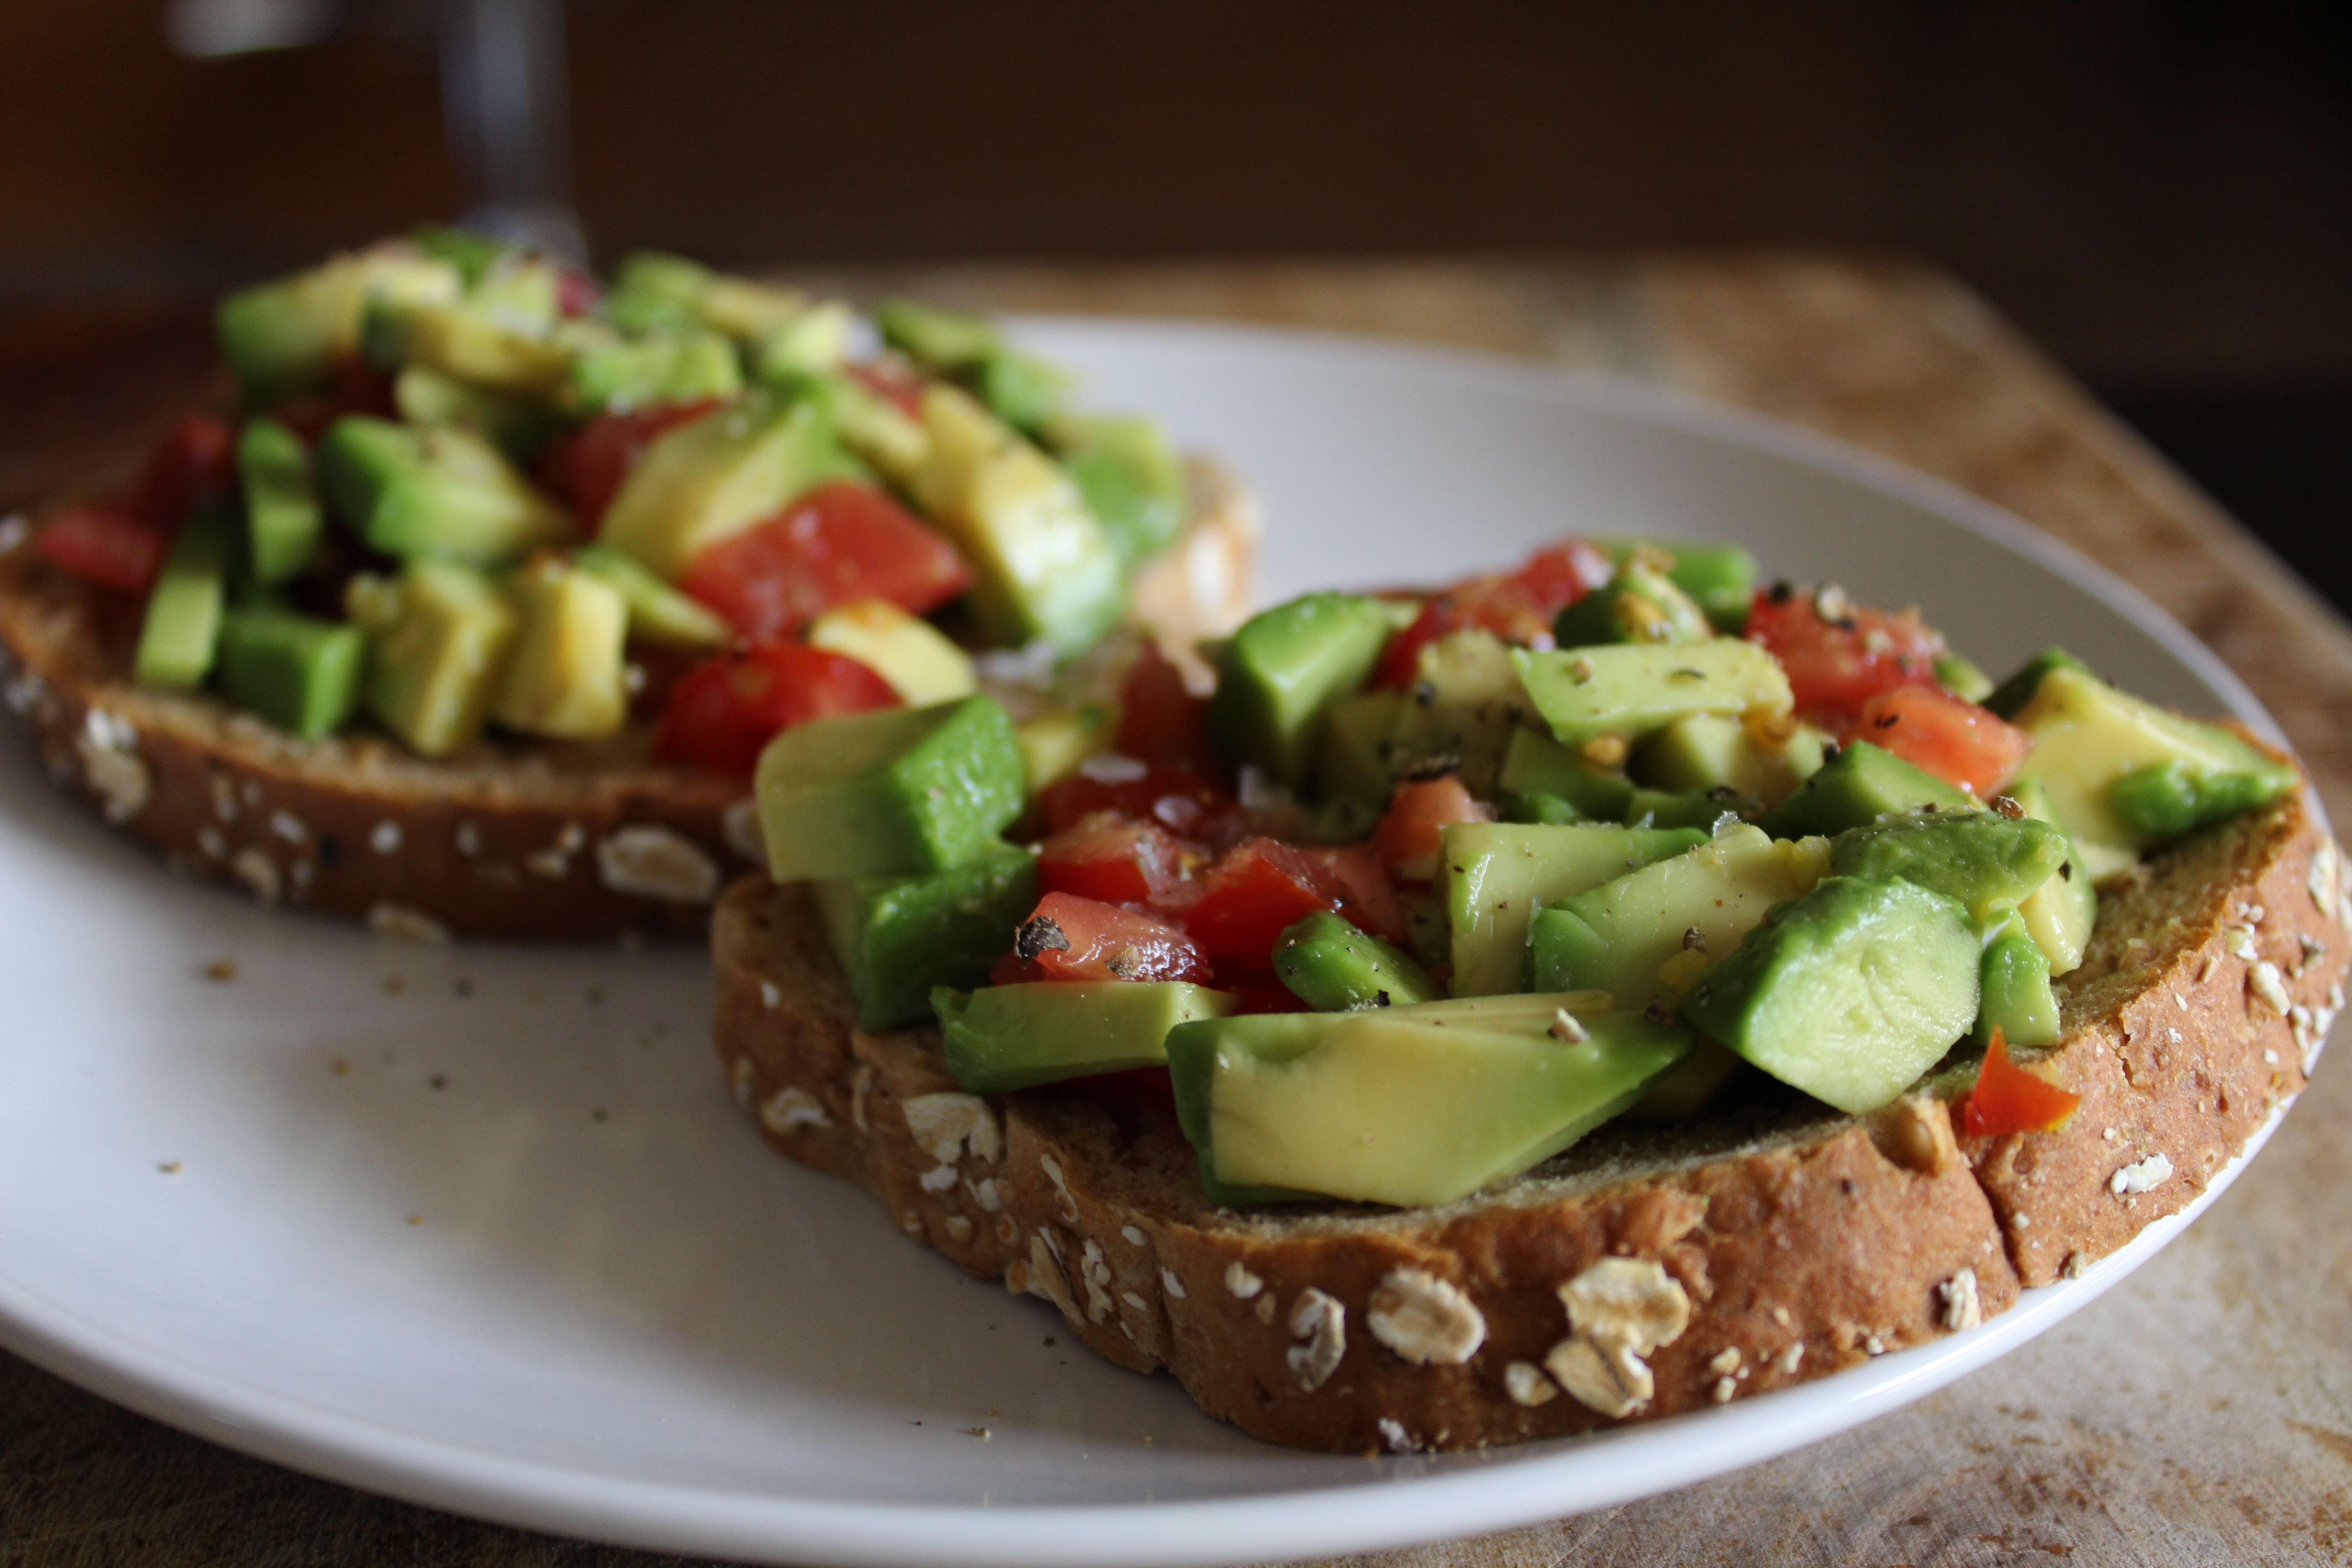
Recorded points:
(1392, 1504)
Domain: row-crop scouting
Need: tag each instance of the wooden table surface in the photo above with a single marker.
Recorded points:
(2199, 1414)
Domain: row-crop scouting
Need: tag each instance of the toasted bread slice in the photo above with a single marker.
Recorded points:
(1747, 1253)
(515, 838)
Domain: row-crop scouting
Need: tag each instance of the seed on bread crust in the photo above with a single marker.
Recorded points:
(945, 1125)
(1619, 1310)
(653, 862)
(1321, 1322)
(1962, 1308)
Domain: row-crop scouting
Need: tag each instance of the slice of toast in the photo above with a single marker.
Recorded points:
(1709, 1262)
(515, 838)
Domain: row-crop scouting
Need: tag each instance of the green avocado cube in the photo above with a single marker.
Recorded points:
(1130, 475)
(941, 341)
(286, 336)
(2011, 695)
(1632, 688)
(1407, 1106)
(283, 519)
(712, 478)
(662, 367)
(1281, 674)
(1536, 764)
(1720, 578)
(1649, 934)
(301, 673)
(1635, 605)
(180, 631)
(1002, 1037)
(2173, 773)
(439, 492)
(1988, 862)
(2060, 913)
(565, 677)
(900, 937)
(519, 426)
(1709, 751)
(1333, 967)
(2016, 997)
(1862, 783)
(1851, 992)
(437, 638)
(893, 793)
(657, 612)
(1496, 874)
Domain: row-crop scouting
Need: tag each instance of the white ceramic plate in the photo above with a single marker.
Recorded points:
(479, 1228)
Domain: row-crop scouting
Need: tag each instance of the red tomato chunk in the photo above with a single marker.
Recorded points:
(726, 709)
(1159, 720)
(195, 462)
(1517, 606)
(1177, 798)
(1071, 938)
(1948, 736)
(1252, 896)
(1407, 837)
(2008, 1098)
(1115, 858)
(587, 468)
(1840, 655)
(840, 542)
(106, 545)
(1351, 874)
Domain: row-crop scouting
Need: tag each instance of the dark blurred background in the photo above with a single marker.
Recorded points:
(2159, 193)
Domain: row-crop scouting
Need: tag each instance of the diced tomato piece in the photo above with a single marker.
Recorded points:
(887, 378)
(1260, 889)
(354, 387)
(1368, 900)
(1159, 720)
(726, 709)
(1839, 654)
(1949, 736)
(1407, 837)
(587, 467)
(1015, 970)
(1073, 938)
(193, 463)
(576, 293)
(107, 546)
(1517, 606)
(2008, 1098)
(840, 542)
(1109, 856)
(1177, 798)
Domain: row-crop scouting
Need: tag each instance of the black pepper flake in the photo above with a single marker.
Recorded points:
(1425, 692)
(1658, 1011)
(1782, 591)
(1829, 750)
(1380, 998)
(1040, 936)
(2066, 870)
(1886, 720)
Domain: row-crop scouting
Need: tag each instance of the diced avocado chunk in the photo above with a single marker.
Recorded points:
(2009, 698)
(1357, 758)
(814, 341)
(1020, 388)
(712, 478)
(653, 292)
(657, 612)
(1046, 569)
(299, 673)
(1405, 1105)
(444, 493)
(1333, 967)
(892, 793)
(1280, 675)
(1849, 993)
(914, 655)
(1721, 578)
(471, 254)
(2060, 913)
(1862, 783)
(437, 638)
(942, 340)
(2015, 994)
(898, 937)
(285, 336)
(564, 678)
(282, 516)
(1054, 744)
(1962, 679)
(1687, 1092)
(2088, 738)
(1536, 764)
(1496, 874)
(519, 426)
(1002, 1037)
(1637, 604)
(1988, 863)
(181, 632)
(1650, 934)
(1632, 688)
(467, 342)
(662, 367)
(1128, 471)
(1464, 706)
(880, 432)
(518, 291)
(1673, 808)
(1710, 751)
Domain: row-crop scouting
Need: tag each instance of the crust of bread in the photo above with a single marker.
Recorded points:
(1802, 1243)
(514, 840)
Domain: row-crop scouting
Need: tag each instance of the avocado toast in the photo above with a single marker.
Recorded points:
(470, 617)
(1740, 1208)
